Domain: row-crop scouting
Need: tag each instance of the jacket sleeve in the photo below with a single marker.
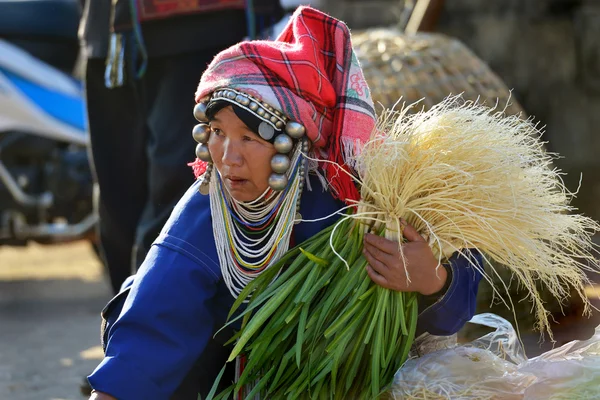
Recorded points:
(163, 328)
(456, 307)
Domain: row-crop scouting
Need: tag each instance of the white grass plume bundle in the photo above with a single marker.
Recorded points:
(467, 176)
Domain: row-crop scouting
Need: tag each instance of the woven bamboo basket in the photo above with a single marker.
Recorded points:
(426, 66)
(430, 67)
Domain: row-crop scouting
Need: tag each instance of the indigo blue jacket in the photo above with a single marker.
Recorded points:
(178, 300)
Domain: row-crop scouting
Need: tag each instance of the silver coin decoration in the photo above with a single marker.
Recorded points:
(283, 143)
(280, 163)
(278, 182)
(200, 112)
(203, 153)
(295, 129)
(266, 131)
(201, 133)
(204, 188)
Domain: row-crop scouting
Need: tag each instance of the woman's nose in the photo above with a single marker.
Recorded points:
(232, 155)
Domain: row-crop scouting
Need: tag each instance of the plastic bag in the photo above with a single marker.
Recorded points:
(495, 367)
(569, 372)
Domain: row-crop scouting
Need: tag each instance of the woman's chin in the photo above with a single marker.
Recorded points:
(242, 192)
(241, 197)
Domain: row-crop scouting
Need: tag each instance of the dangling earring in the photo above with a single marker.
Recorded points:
(201, 134)
(280, 163)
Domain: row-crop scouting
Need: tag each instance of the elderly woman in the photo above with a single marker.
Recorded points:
(262, 107)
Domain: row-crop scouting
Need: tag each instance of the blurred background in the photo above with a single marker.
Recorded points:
(52, 282)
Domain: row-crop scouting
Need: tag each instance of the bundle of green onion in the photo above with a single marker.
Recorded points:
(464, 176)
(321, 329)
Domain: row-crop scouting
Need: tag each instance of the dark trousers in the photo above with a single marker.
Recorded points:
(140, 144)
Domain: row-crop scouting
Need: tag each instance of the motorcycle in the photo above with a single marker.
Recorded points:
(46, 186)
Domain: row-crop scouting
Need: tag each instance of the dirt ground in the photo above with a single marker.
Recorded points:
(50, 302)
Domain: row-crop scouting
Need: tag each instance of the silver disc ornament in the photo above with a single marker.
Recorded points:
(280, 163)
(278, 182)
(204, 188)
(200, 112)
(266, 131)
(201, 133)
(283, 143)
(295, 129)
(203, 153)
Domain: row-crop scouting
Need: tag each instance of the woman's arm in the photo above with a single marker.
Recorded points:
(163, 328)
(453, 309)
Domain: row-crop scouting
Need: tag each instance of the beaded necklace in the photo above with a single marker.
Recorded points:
(251, 236)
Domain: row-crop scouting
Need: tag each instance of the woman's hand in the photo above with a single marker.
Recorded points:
(387, 269)
(101, 396)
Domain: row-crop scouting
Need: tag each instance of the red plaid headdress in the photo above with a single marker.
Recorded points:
(312, 75)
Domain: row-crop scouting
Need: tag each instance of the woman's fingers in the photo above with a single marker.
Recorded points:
(411, 234)
(383, 244)
(377, 278)
(376, 259)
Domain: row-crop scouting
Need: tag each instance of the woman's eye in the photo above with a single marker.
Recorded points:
(248, 138)
(217, 131)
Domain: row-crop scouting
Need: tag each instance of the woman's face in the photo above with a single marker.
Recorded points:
(242, 158)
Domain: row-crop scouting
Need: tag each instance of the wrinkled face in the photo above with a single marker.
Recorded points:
(242, 158)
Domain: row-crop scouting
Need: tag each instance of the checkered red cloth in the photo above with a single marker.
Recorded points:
(311, 73)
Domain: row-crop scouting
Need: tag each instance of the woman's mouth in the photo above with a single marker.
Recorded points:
(235, 181)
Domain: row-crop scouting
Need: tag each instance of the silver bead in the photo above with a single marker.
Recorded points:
(253, 106)
(280, 163)
(305, 146)
(295, 129)
(231, 95)
(274, 120)
(261, 111)
(278, 182)
(243, 100)
(201, 133)
(279, 125)
(203, 153)
(200, 112)
(283, 143)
